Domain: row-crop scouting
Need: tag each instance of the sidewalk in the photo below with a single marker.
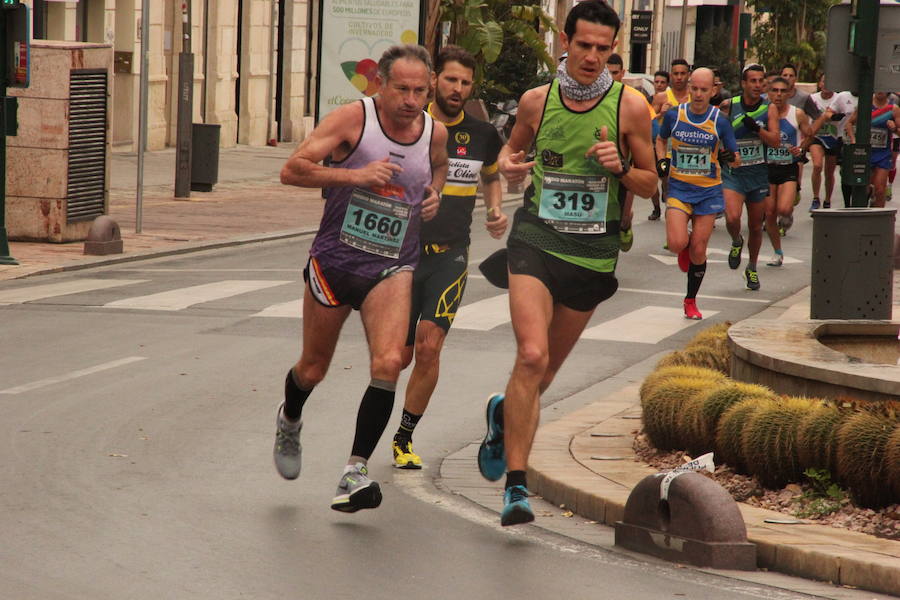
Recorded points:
(248, 204)
(593, 476)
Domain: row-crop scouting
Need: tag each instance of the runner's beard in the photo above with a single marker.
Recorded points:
(446, 108)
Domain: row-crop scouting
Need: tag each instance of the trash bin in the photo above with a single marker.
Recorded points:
(852, 263)
(204, 156)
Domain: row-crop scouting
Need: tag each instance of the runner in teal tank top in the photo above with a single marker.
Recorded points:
(754, 127)
(593, 143)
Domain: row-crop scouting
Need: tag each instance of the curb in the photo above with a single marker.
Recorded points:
(564, 469)
(187, 248)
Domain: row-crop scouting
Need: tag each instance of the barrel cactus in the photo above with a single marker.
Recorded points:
(769, 440)
(862, 463)
(893, 462)
(666, 373)
(713, 403)
(728, 433)
(699, 356)
(661, 408)
(817, 437)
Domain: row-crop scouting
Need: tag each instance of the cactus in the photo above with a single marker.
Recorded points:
(728, 433)
(713, 403)
(862, 463)
(698, 356)
(817, 437)
(893, 462)
(666, 373)
(663, 404)
(769, 440)
(714, 339)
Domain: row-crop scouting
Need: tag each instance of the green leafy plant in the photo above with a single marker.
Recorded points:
(821, 497)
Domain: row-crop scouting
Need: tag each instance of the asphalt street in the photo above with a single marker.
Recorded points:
(137, 406)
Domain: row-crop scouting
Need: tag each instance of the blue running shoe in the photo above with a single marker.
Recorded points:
(491, 455)
(516, 509)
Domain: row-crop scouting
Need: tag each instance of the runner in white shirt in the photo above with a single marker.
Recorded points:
(825, 146)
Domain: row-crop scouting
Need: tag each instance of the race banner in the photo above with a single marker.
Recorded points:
(352, 36)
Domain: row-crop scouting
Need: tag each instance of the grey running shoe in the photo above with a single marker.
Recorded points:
(356, 491)
(287, 446)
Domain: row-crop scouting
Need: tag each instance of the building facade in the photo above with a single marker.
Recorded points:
(250, 63)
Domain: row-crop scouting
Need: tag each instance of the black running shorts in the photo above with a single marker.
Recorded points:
(779, 174)
(570, 285)
(438, 285)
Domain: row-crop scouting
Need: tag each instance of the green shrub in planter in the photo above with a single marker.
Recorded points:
(893, 461)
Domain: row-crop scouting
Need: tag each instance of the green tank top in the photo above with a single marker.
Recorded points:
(572, 207)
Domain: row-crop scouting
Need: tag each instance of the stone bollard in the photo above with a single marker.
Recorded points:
(688, 518)
(103, 237)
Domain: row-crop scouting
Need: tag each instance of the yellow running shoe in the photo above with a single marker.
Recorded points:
(404, 457)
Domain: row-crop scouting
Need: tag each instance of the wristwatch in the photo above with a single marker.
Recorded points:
(625, 168)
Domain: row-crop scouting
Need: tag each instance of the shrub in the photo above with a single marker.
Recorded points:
(769, 440)
(861, 458)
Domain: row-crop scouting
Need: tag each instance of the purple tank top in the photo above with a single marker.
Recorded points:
(365, 231)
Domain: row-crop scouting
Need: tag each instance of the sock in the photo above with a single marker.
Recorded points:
(408, 423)
(374, 414)
(694, 279)
(515, 478)
(294, 397)
(738, 242)
(780, 252)
(751, 266)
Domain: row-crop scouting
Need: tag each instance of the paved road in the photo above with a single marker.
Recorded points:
(136, 414)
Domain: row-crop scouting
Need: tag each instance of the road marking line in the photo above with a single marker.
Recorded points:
(292, 309)
(701, 296)
(182, 298)
(63, 288)
(484, 314)
(648, 325)
(73, 375)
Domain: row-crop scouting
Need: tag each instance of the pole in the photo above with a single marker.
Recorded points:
(273, 41)
(866, 78)
(183, 141)
(142, 109)
(683, 34)
(5, 257)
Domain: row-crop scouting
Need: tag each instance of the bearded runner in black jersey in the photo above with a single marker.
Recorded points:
(440, 278)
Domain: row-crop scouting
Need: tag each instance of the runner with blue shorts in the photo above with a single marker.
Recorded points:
(754, 127)
(700, 137)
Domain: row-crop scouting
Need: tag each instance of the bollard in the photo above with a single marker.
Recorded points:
(688, 518)
(103, 237)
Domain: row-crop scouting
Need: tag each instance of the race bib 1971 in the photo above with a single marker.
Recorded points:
(751, 152)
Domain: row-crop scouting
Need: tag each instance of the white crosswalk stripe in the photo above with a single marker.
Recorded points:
(483, 315)
(648, 325)
(62, 288)
(292, 309)
(182, 298)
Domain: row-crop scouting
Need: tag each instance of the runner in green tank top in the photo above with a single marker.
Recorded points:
(564, 242)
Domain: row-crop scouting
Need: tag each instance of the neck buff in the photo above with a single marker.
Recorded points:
(578, 91)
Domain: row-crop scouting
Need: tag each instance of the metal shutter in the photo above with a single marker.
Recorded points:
(87, 145)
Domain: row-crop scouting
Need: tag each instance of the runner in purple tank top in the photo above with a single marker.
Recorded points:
(388, 158)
